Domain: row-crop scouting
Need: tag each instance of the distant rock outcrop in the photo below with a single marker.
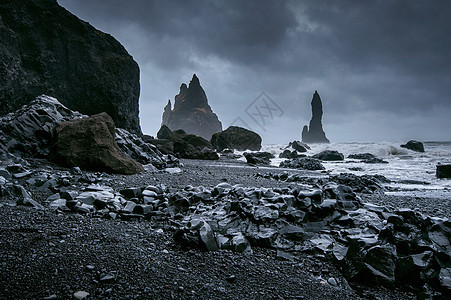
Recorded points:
(89, 143)
(414, 146)
(236, 138)
(191, 112)
(315, 133)
(44, 49)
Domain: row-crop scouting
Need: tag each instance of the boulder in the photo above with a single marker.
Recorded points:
(315, 133)
(306, 163)
(236, 138)
(191, 112)
(89, 144)
(290, 154)
(329, 155)
(443, 171)
(46, 49)
(414, 146)
(299, 146)
(258, 158)
(367, 158)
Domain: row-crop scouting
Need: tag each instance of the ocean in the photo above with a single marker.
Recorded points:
(411, 173)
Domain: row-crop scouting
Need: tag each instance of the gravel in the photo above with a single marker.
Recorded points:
(53, 255)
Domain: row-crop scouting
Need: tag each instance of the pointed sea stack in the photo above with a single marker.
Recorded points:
(315, 133)
(191, 112)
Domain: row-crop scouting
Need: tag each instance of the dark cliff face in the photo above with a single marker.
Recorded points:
(191, 112)
(44, 49)
(315, 133)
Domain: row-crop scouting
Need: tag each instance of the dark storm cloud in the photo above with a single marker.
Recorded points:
(389, 58)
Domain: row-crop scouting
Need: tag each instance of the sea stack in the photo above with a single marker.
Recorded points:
(191, 112)
(315, 133)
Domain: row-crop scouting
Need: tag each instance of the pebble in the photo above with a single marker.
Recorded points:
(81, 295)
(332, 281)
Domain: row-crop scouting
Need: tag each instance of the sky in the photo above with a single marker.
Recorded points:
(382, 68)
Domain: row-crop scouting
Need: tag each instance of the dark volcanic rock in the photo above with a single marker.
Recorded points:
(443, 171)
(258, 158)
(299, 146)
(329, 155)
(306, 163)
(414, 146)
(89, 143)
(368, 158)
(290, 154)
(184, 145)
(315, 133)
(191, 112)
(29, 130)
(236, 138)
(47, 50)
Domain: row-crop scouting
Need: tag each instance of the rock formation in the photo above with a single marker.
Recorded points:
(315, 133)
(191, 112)
(236, 138)
(45, 49)
(89, 143)
(414, 146)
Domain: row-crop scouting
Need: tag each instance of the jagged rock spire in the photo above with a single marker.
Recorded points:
(315, 133)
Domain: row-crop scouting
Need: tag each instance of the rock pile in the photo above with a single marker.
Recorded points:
(29, 132)
(370, 244)
(305, 163)
(183, 145)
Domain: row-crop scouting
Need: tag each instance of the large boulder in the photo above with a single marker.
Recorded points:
(329, 155)
(45, 49)
(305, 163)
(236, 138)
(191, 112)
(414, 146)
(315, 133)
(89, 143)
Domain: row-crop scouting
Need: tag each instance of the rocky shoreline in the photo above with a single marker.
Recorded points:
(51, 253)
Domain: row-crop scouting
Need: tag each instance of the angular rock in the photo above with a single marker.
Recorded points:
(236, 138)
(191, 112)
(414, 146)
(315, 133)
(46, 49)
(89, 143)
(258, 158)
(299, 146)
(368, 158)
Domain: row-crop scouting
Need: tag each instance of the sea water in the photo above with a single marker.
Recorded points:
(411, 173)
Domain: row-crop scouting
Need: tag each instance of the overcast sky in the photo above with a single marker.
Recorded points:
(382, 68)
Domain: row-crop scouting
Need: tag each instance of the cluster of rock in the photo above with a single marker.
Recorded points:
(45, 128)
(183, 145)
(45, 49)
(367, 158)
(191, 112)
(314, 133)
